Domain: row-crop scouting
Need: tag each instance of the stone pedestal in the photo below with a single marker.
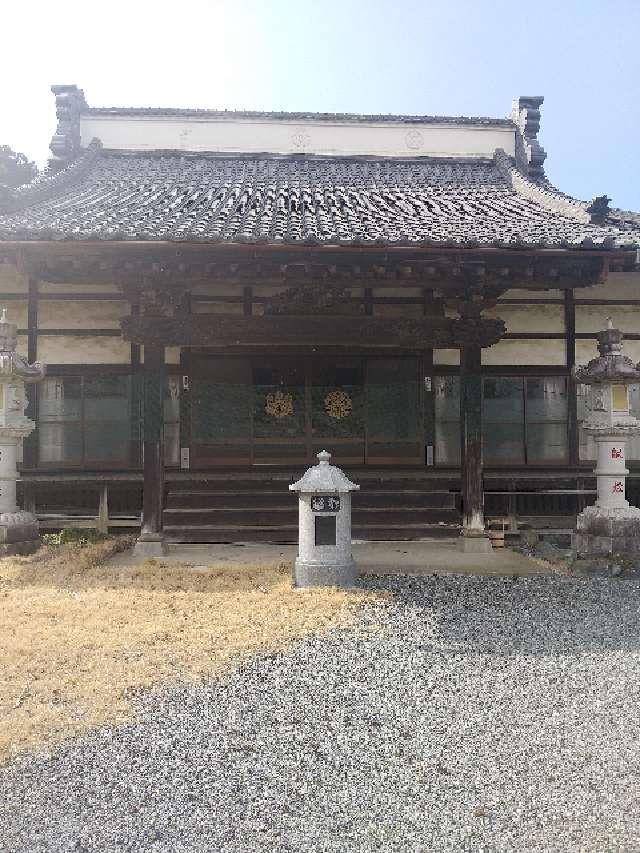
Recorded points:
(150, 544)
(475, 543)
(610, 528)
(19, 533)
(324, 536)
(606, 532)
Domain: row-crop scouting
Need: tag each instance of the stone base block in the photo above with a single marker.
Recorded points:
(479, 544)
(308, 573)
(150, 545)
(19, 533)
(603, 532)
(29, 546)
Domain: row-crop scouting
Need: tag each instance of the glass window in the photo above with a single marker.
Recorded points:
(85, 420)
(221, 401)
(59, 420)
(392, 399)
(107, 414)
(503, 399)
(337, 400)
(278, 400)
(546, 426)
(447, 419)
(524, 420)
(503, 420)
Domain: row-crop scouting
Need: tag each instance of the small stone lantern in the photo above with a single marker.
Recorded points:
(324, 536)
(19, 533)
(611, 526)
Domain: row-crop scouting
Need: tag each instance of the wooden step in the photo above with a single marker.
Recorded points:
(242, 483)
(288, 534)
(190, 499)
(264, 516)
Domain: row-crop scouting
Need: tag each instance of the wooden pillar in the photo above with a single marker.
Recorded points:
(572, 388)
(30, 444)
(474, 536)
(150, 541)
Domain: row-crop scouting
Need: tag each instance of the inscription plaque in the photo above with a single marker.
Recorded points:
(325, 529)
(325, 503)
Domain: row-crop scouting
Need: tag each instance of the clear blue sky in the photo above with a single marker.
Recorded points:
(454, 58)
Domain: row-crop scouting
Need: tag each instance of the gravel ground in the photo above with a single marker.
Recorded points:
(475, 714)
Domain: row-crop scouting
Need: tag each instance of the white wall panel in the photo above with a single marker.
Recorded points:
(618, 285)
(446, 356)
(593, 318)
(525, 353)
(530, 318)
(11, 281)
(63, 349)
(83, 314)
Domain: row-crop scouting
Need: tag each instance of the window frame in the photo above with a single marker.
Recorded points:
(133, 458)
(542, 373)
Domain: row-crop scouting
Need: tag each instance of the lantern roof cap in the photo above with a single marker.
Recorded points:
(12, 365)
(324, 478)
(610, 365)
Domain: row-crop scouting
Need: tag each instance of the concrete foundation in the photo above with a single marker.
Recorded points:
(426, 557)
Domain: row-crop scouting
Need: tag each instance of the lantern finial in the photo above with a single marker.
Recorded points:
(609, 323)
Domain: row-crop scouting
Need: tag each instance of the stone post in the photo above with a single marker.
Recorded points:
(324, 535)
(19, 533)
(611, 526)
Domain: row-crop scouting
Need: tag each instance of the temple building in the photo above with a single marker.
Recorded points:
(220, 295)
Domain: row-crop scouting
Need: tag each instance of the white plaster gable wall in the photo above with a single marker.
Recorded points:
(386, 139)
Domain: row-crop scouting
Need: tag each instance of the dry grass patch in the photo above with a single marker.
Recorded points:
(78, 637)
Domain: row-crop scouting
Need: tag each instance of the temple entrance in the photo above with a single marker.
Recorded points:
(267, 410)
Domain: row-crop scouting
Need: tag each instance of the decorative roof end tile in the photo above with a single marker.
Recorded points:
(65, 144)
(530, 155)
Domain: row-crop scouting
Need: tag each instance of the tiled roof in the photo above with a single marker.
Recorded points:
(271, 199)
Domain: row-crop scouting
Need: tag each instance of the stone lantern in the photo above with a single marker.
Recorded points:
(611, 526)
(19, 533)
(324, 535)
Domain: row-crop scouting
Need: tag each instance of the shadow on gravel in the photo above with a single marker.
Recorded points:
(522, 616)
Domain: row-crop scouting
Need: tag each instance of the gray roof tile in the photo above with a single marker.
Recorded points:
(236, 198)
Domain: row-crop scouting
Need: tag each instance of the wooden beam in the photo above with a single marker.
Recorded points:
(247, 301)
(320, 329)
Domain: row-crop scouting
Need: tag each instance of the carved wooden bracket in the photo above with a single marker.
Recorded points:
(280, 331)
